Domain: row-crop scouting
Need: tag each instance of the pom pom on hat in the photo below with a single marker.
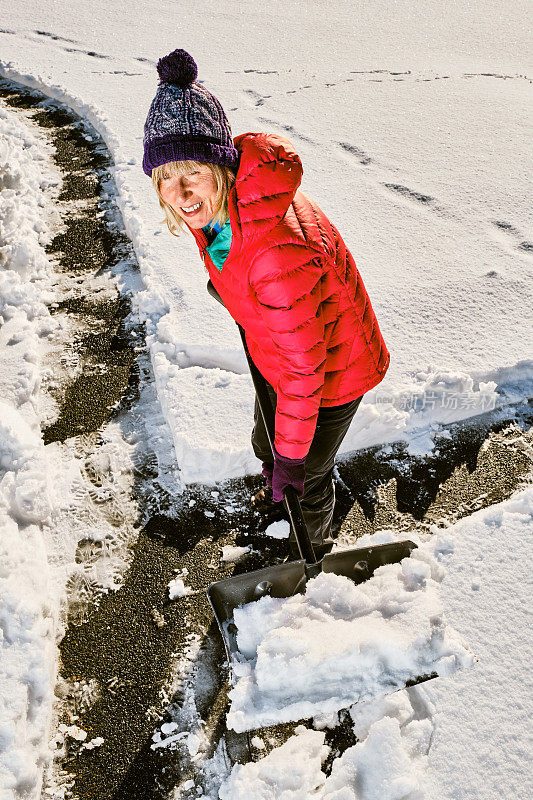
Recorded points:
(178, 68)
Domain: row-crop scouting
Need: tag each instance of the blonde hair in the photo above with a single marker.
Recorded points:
(224, 179)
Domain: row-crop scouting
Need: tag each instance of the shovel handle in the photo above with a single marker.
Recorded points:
(291, 499)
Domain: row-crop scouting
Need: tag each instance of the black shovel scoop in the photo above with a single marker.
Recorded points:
(285, 580)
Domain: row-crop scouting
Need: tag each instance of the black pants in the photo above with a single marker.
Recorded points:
(318, 498)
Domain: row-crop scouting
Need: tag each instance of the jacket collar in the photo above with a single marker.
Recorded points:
(269, 174)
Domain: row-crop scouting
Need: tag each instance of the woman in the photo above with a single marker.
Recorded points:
(283, 272)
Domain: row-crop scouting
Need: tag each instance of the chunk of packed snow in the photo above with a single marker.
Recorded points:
(232, 552)
(193, 744)
(340, 643)
(379, 768)
(17, 440)
(177, 588)
(168, 727)
(96, 742)
(279, 529)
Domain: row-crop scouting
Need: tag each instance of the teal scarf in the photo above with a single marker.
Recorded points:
(219, 248)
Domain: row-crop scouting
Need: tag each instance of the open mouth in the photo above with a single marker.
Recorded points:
(189, 211)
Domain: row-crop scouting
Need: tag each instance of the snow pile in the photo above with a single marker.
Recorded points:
(387, 764)
(25, 274)
(291, 771)
(340, 643)
(27, 611)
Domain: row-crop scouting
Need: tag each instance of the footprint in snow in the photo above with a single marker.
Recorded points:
(361, 156)
(410, 194)
(259, 98)
(263, 71)
(55, 37)
(288, 129)
(511, 233)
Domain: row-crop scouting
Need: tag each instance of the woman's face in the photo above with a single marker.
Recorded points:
(191, 196)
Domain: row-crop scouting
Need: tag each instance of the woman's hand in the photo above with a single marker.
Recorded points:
(287, 472)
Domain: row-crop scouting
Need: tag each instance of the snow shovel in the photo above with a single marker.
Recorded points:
(285, 580)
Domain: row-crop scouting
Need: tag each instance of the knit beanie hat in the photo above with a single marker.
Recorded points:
(185, 121)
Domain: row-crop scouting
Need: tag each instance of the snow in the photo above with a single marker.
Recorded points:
(419, 172)
(17, 440)
(456, 738)
(381, 765)
(278, 530)
(177, 588)
(96, 742)
(387, 765)
(298, 761)
(340, 643)
(232, 553)
(482, 718)
(28, 611)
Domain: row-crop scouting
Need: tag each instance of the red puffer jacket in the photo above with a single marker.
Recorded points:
(292, 284)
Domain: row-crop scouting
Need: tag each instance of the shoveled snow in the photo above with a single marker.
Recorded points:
(458, 738)
(298, 761)
(387, 765)
(340, 643)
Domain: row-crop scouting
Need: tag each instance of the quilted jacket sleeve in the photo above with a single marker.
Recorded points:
(287, 282)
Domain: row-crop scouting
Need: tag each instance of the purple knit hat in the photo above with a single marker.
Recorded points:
(185, 121)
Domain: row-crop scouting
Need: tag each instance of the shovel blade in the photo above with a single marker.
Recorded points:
(281, 580)
(359, 564)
